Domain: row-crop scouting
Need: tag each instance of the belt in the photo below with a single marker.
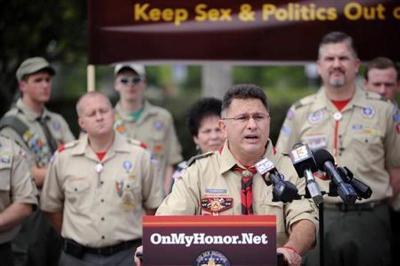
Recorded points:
(367, 206)
(6, 245)
(77, 250)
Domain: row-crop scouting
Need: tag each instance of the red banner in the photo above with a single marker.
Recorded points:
(237, 30)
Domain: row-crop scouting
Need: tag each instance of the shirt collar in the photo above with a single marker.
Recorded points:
(147, 110)
(228, 161)
(29, 113)
(119, 145)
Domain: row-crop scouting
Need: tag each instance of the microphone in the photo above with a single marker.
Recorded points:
(303, 162)
(325, 162)
(363, 190)
(283, 190)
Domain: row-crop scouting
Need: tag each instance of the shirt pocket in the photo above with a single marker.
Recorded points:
(77, 192)
(129, 192)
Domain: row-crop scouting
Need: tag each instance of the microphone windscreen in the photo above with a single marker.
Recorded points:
(321, 156)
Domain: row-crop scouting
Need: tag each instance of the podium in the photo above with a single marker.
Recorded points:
(247, 240)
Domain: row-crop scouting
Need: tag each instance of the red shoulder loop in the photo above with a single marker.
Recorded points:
(61, 148)
(144, 146)
(274, 150)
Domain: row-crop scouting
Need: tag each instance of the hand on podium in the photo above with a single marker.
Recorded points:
(138, 256)
(290, 256)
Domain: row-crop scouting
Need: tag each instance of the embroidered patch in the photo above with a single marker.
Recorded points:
(368, 112)
(127, 165)
(286, 131)
(316, 117)
(316, 141)
(357, 127)
(158, 125)
(215, 205)
(56, 125)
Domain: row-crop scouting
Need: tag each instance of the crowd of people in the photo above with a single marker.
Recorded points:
(81, 202)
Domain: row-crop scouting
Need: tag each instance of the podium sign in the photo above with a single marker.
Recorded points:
(209, 240)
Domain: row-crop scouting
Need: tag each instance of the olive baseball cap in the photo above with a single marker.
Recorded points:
(33, 65)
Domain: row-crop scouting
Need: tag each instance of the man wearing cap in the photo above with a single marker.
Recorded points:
(98, 188)
(39, 132)
(17, 195)
(139, 119)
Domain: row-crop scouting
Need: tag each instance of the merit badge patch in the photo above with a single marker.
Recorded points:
(316, 117)
(127, 165)
(216, 205)
(368, 112)
(212, 258)
(158, 125)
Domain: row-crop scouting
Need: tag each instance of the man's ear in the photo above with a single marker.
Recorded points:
(222, 126)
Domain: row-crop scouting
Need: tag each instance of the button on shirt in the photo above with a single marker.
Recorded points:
(364, 137)
(210, 186)
(102, 202)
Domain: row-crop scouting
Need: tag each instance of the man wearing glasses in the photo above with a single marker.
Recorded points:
(137, 118)
(224, 182)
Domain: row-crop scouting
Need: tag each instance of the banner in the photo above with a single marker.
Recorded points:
(242, 240)
(233, 30)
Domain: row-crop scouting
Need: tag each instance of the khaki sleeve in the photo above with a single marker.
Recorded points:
(184, 198)
(151, 186)
(288, 135)
(174, 148)
(12, 134)
(392, 140)
(52, 195)
(23, 189)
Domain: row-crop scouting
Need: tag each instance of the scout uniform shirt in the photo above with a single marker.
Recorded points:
(102, 202)
(16, 184)
(155, 128)
(210, 187)
(364, 136)
(38, 148)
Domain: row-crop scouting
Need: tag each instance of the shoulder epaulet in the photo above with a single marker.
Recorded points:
(200, 156)
(68, 145)
(304, 101)
(375, 96)
(137, 143)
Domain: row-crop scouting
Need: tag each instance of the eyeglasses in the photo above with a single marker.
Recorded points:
(245, 118)
(130, 80)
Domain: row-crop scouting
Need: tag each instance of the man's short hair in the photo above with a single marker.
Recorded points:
(244, 91)
(90, 94)
(380, 63)
(203, 108)
(337, 37)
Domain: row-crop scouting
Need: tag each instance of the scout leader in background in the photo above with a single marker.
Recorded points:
(98, 188)
(136, 118)
(359, 129)
(220, 176)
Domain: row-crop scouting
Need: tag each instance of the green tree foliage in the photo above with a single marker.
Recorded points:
(55, 30)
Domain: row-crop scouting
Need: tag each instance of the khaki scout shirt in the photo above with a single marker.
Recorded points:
(210, 181)
(155, 128)
(102, 202)
(16, 184)
(38, 149)
(364, 136)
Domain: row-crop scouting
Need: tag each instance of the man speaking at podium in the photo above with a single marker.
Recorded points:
(224, 182)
